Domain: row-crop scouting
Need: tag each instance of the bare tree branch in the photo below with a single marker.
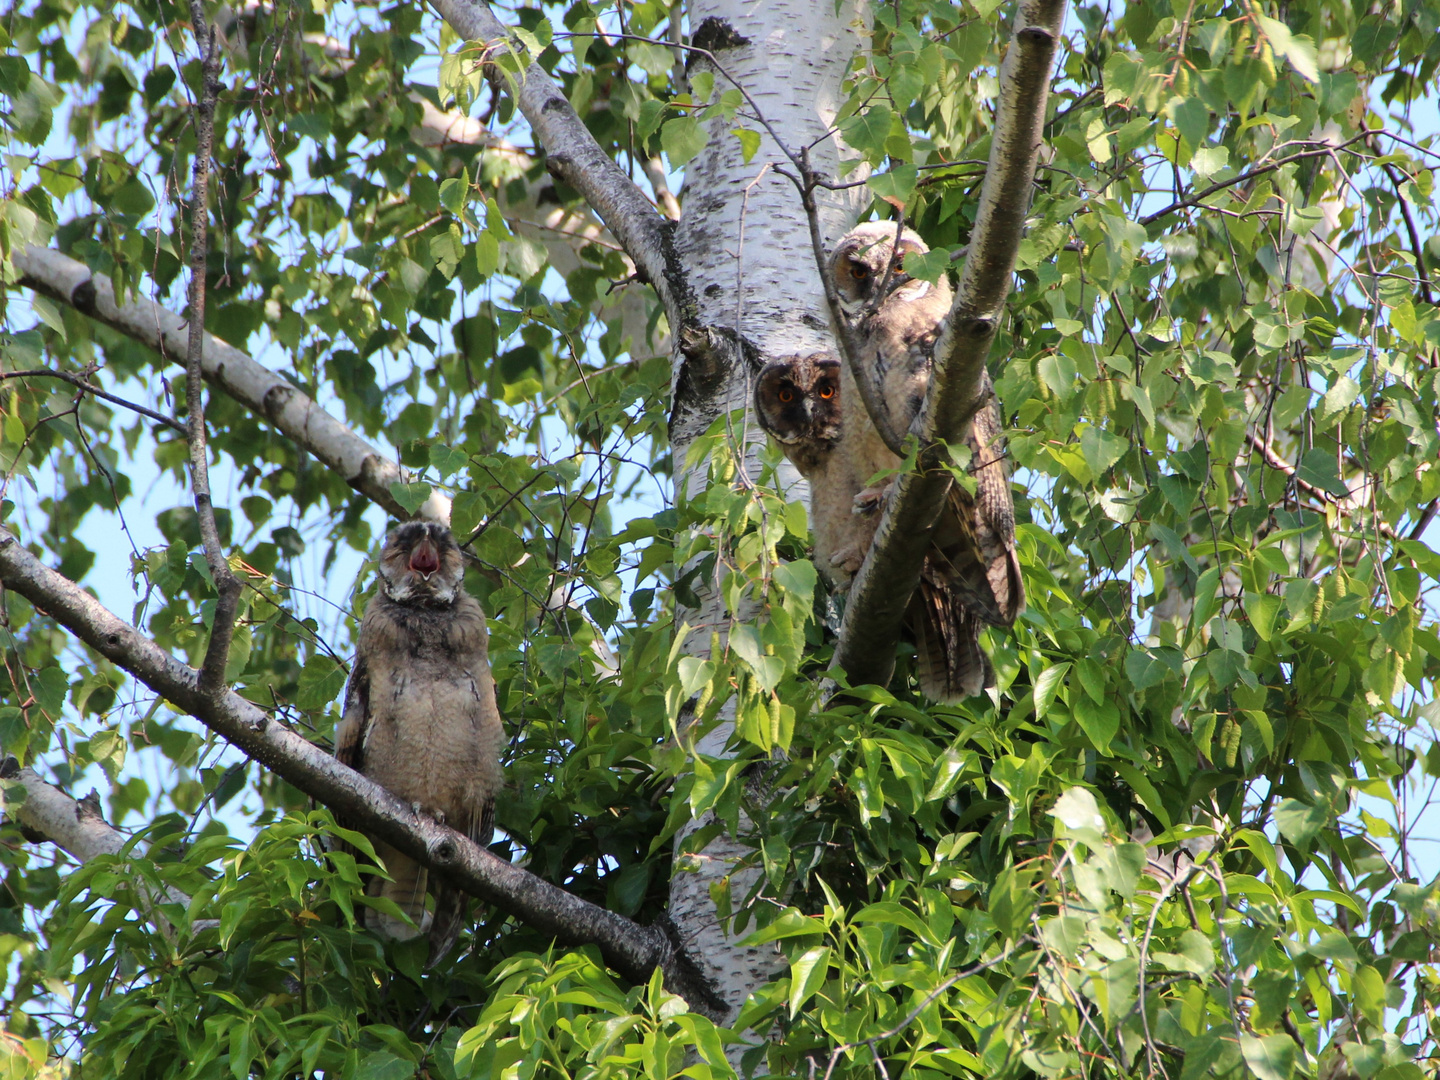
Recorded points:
(573, 155)
(227, 587)
(87, 387)
(294, 414)
(1407, 213)
(1324, 149)
(882, 588)
(632, 950)
(1352, 505)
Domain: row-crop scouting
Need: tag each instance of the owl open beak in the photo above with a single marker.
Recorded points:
(425, 559)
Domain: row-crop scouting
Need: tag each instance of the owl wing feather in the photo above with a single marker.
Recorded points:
(949, 663)
(975, 538)
(351, 731)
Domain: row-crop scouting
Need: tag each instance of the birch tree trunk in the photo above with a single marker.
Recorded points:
(743, 240)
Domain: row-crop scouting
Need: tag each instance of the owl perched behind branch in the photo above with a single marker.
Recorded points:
(971, 573)
(799, 402)
(420, 715)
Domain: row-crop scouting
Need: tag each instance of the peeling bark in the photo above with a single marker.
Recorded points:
(632, 950)
(882, 588)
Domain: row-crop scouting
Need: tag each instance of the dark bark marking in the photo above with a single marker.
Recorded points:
(275, 400)
(83, 296)
(715, 34)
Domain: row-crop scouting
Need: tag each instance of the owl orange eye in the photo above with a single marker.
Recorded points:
(786, 396)
(859, 270)
(827, 392)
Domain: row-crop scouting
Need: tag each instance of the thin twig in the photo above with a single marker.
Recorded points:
(868, 383)
(1345, 506)
(1415, 245)
(227, 586)
(925, 1004)
(91, 388)
(1195, 200)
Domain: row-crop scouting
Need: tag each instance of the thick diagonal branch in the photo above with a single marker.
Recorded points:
(227, 587)
(75, 826)
(294, 414)
(632, 950)
(882, 589)
(573, 155)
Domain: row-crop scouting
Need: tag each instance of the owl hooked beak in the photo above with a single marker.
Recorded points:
(425, 559)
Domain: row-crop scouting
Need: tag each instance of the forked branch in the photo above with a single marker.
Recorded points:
(881, 590)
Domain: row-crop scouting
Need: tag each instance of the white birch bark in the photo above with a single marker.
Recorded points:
(744, 242)
(292, 412)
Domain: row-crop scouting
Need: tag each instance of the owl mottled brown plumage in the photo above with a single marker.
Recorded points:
(971, 572)
(798, 400)
(420, 715)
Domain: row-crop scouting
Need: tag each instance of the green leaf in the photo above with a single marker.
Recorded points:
(681, 139)
(1263, 609)
(384, 1065)
(410, 496)
(749, 142)
(449, 460)
(1047, 686)
(454, 193)
(1059, 373)
(1296, 48)
(1100, 722)
(1011, 903)
(1079, 814)
(321, 679)
(868, 131)
(807, 976)
(887, 911)
(1367, 987)
(896, 185)
(133, 199)
(1102, 449)
(790, 923)
(1271, 1057)
(1319, 468)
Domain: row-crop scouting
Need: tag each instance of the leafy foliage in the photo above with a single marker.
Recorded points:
(1175, 841)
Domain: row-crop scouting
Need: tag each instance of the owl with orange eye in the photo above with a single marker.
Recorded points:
(798, 401)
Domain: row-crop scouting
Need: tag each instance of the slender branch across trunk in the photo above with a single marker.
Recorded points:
(882, 588)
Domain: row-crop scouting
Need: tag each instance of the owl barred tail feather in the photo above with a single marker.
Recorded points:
(949, 662)
(406, 889)
(448, 921)
(450, 903)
